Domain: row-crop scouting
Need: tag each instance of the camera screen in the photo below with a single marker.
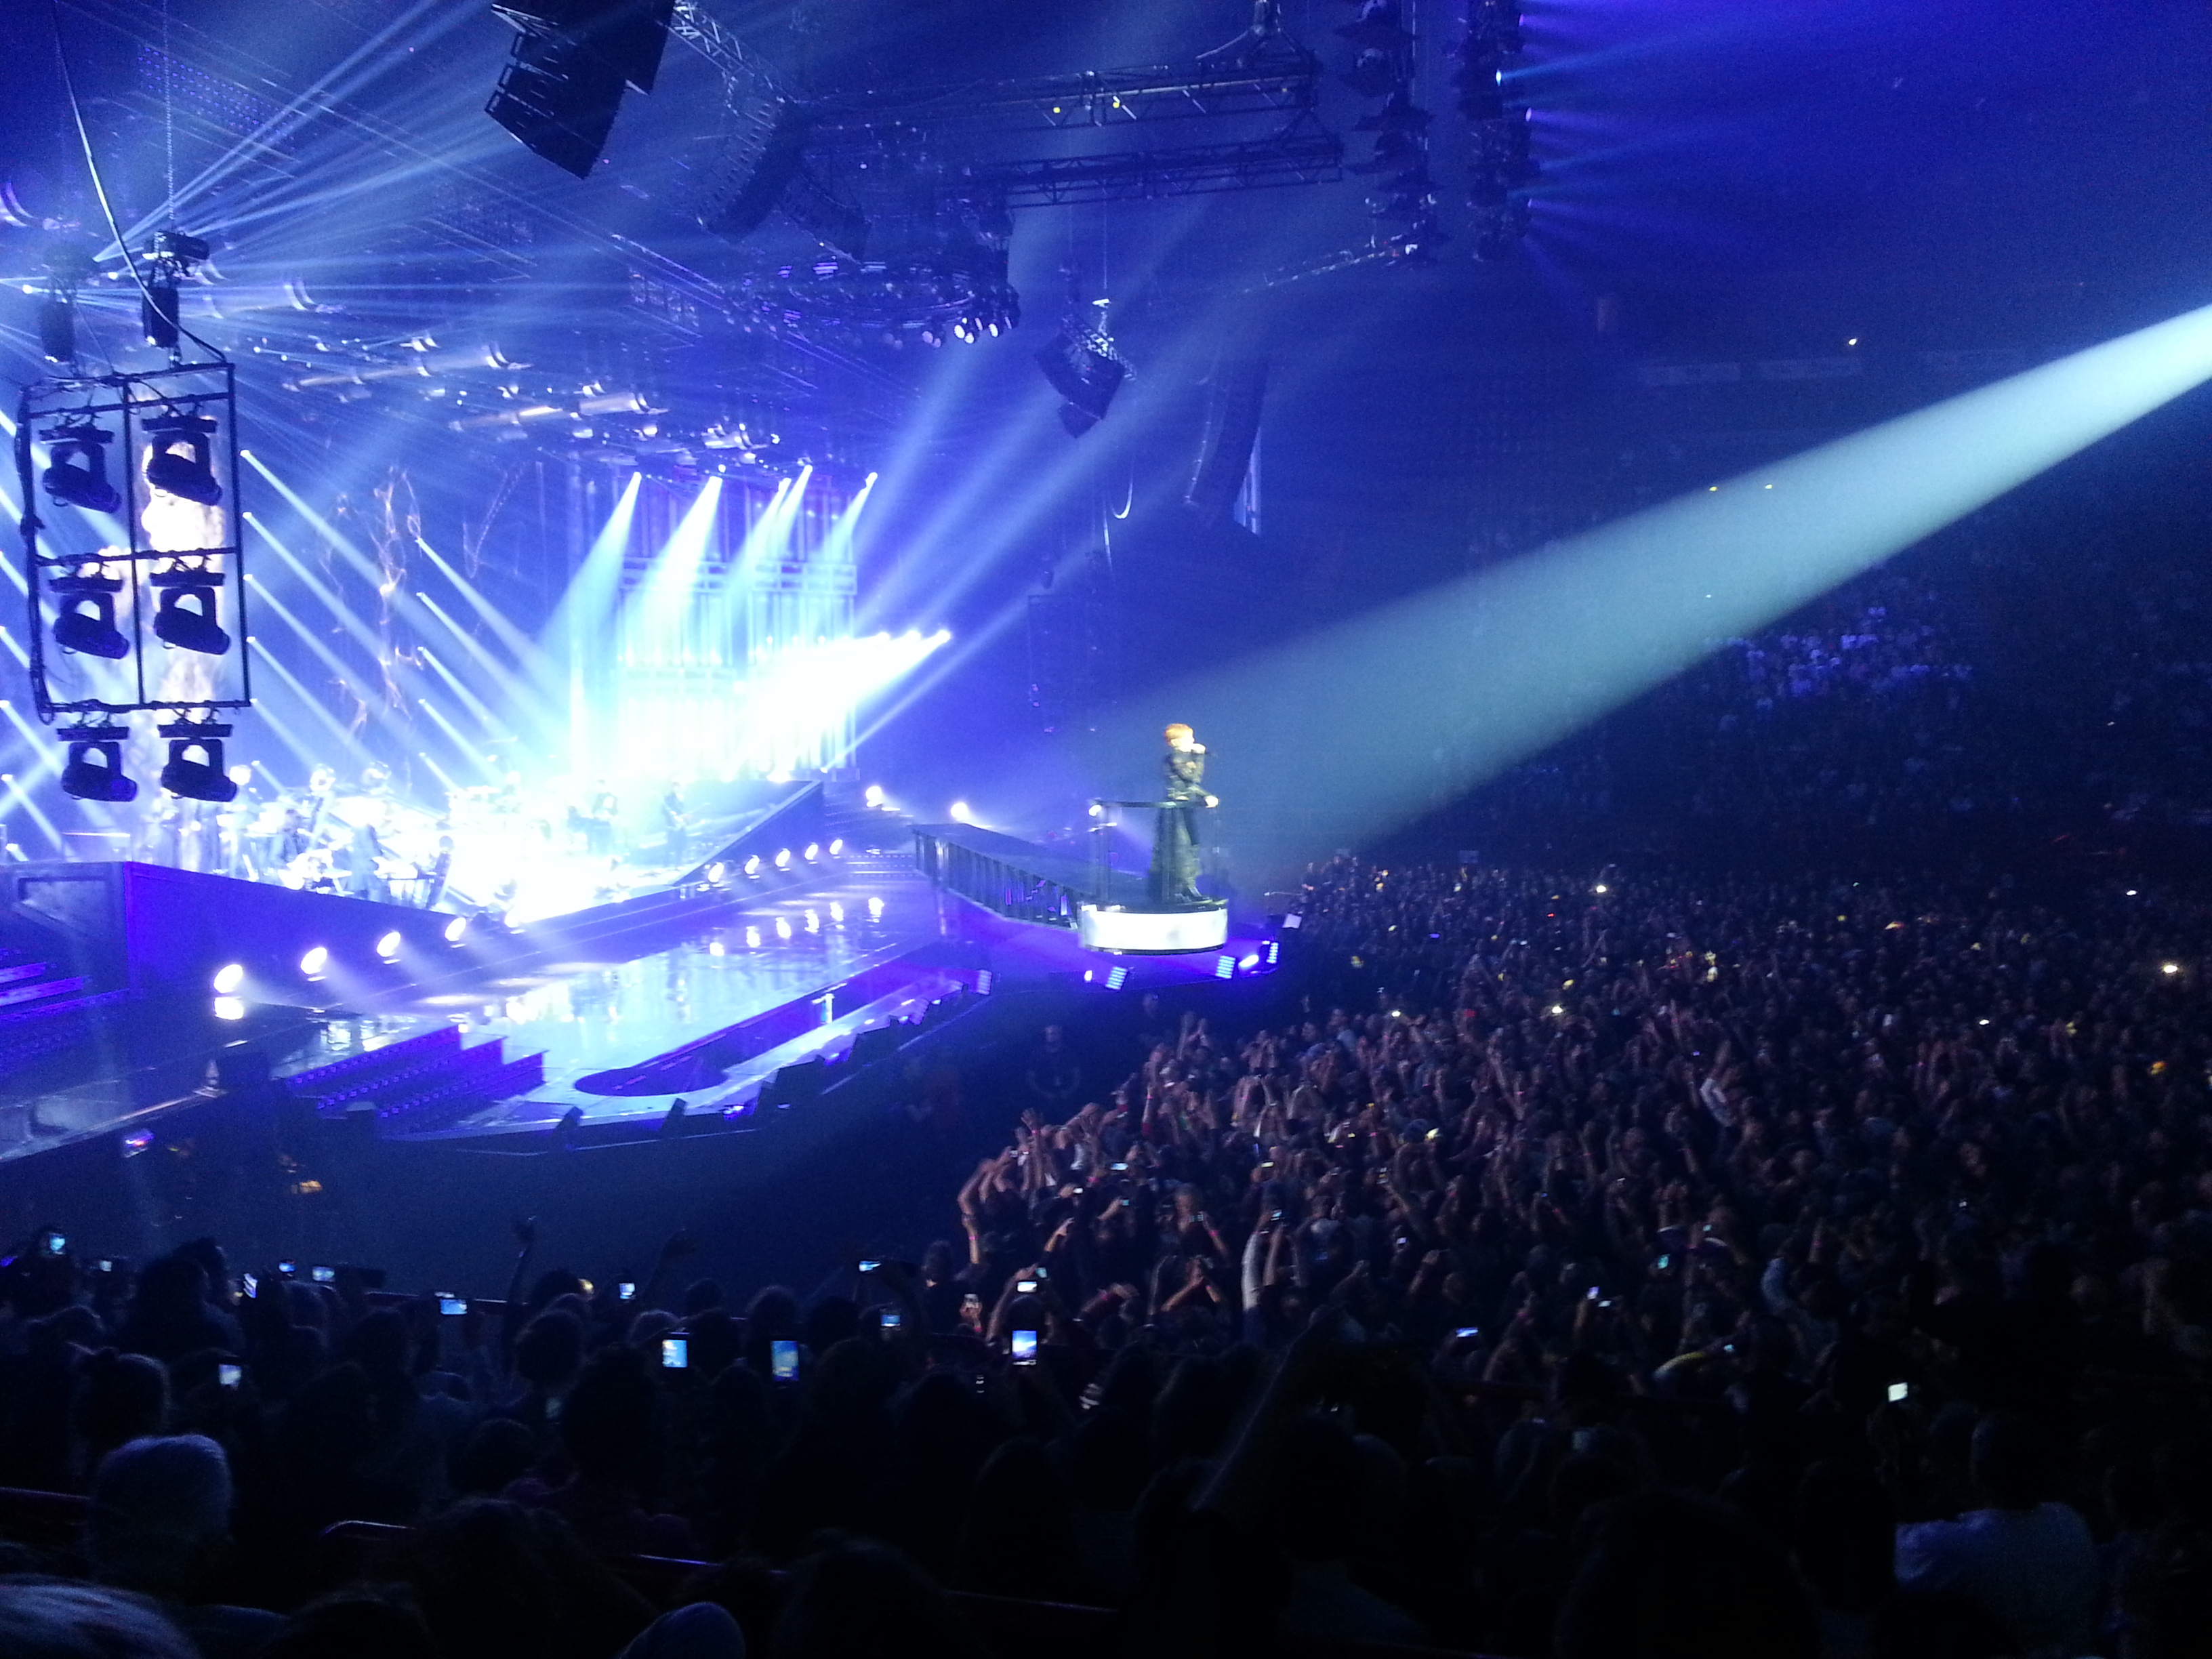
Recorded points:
(1026, 1347)
(626, 1292)
(452, 1305)
(55, 1243)
(676, 1353)
(1900, 1392)
(888, 1318)
(784, 1360)
(324, 1275)
(230, 1376)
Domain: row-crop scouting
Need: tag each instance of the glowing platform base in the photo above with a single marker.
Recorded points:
(1129, 931)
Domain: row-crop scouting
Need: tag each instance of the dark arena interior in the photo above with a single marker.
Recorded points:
(951, 829)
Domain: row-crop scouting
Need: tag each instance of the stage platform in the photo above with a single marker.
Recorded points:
(158, 991)
(1109, 910)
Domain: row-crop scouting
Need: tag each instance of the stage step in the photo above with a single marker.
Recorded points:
(15, 995)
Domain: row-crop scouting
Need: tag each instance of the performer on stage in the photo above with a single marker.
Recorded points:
(1174, 845)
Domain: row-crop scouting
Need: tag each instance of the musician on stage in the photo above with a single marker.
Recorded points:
(676, 817)
(1175, 843)
(599, 815)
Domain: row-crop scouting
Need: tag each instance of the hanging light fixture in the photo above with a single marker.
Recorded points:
(94, 770)
(202, 778)
(86, 623)
(77, 475)
(186, 614)
(179, 463)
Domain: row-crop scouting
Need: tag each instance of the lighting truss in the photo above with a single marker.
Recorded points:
(1305, 154)
(1282, 76)
(148, 610)
(827, 161)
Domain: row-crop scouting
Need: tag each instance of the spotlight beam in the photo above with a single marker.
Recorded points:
(1372, 719)
(477, 705)
(344, 738)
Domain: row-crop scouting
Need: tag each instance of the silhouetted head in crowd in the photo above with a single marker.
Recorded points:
(550, 1350)
(497, 1581)
(2011, 1461)
(119, 1397)
(213, 1264)
(1669, 1576)
(855, 1599)
(717, 1340)
(1845, 1534)
(1020, 1536)
(160, 1516)
(498, 1452)
(829, 1321)
(352, 1626)
(608, 1424)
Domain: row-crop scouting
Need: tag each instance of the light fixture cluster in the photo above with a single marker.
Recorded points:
(1404, 204)
(151, 457)
(1501, 168)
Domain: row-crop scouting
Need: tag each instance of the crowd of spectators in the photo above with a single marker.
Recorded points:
(1615, 1266)
(2035, 677)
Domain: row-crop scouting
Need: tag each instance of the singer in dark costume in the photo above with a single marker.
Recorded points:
(1174, 844)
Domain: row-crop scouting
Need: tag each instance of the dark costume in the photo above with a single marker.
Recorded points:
(1174, 844)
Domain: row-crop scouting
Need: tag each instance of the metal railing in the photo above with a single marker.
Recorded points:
(998, 886)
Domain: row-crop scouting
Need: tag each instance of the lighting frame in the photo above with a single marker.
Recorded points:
(132, 407)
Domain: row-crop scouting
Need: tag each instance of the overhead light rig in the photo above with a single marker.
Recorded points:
(140, 604)
(1501, 168)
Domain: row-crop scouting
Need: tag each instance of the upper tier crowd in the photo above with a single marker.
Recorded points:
(1601, 1268)
(2035, 677)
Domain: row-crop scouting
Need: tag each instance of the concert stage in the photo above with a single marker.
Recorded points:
(127, 990)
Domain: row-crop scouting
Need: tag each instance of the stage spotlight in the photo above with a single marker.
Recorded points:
(874, 795)
(180, 463)
(1249, 962)
(960, 814)
(813, 851)
(716, 872)
(752, 866)
(77, 475)
(94, 769)
(783, 928)
(228, 979)
(456, 929)
(875, 909)
(86, 621)
(203, 777)
(229, 1008)
(315, 961)
(837, 849)
(783, 860)
(185, 616)
(1225, 967)
(390, 945)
